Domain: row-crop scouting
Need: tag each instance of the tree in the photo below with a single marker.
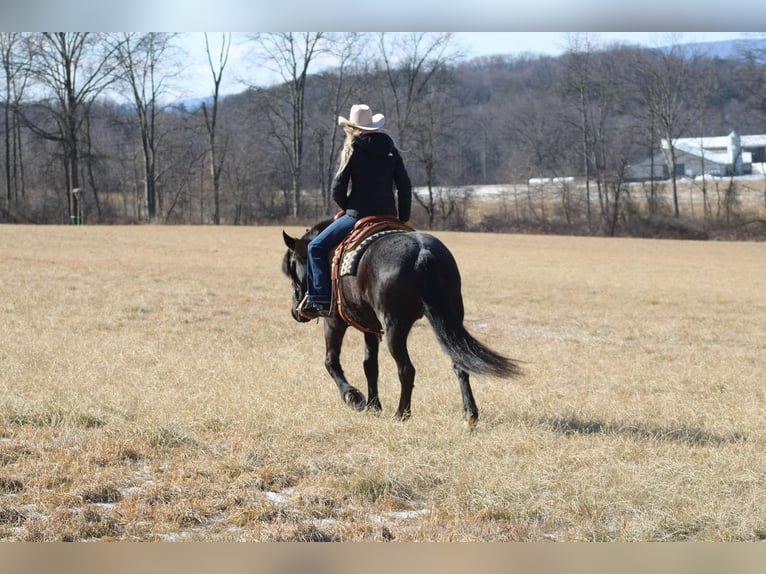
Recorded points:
(346, 48)
(663, 77)
(411, 64)
(15, 65)
(291, 55)
(577, 84)
(433, 151)
(755, 85)
(73, 69)
(140, 63)
(211, 121)
(534, 125)
(493, 120)
(593, 83)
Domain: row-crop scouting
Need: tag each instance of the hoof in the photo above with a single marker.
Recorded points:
(469, 421)
(374, 406)
(402, 416)
(355, 399)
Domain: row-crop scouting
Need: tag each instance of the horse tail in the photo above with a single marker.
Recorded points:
(443, 306)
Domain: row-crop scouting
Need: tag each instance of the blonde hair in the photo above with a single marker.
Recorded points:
(348, 146)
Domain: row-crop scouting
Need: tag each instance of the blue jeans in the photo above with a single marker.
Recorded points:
(318, 279)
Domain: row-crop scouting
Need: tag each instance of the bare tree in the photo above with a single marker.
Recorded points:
(410, 62)
(211, 120)
(431, 148)
(534, 125)
(346, 49)
(140, 64)
(577, 83)
(755, 82)
(73, 69)
(663, 77)
(291, 54)
(15, 65)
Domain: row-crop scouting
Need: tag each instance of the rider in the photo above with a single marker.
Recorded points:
(370, 161)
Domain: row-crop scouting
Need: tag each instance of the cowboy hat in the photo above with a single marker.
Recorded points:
(361, 117)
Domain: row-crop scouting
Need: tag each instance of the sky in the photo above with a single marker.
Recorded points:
(394, 15)
(482, 27)
(555, 43)
(241, 69)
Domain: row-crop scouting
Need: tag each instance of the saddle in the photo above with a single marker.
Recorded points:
(345, 258)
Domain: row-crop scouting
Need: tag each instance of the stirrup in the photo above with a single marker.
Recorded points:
(312, 310)
(302, 303)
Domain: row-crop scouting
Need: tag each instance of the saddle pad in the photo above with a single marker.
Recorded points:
(350, 262)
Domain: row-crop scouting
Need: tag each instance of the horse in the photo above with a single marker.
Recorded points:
(399, 278)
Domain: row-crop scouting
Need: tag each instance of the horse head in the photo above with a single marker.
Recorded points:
(294, 265)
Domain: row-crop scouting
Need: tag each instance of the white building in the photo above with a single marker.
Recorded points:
(719, 156)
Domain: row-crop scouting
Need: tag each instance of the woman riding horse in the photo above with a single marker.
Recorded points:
(372, 164)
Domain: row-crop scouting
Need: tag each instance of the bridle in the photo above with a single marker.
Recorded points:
(299, 284)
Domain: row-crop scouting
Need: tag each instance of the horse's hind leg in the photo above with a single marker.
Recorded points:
(470, 411)
(334, 330)
(396, 337)
(372, 344)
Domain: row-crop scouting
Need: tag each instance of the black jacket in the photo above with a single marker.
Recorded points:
(374, 168)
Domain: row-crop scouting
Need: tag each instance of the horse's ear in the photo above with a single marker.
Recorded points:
(289, 241)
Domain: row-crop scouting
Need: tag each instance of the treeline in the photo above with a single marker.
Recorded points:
(91, 136)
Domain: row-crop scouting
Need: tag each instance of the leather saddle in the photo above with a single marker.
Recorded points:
(345, 258)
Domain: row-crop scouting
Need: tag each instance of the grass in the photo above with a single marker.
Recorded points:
(729, 209)
(154, 387)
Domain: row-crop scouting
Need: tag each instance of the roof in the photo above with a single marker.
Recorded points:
(716, 149)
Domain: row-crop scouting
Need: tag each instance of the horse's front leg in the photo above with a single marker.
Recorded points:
(334, 330)
(372, 344)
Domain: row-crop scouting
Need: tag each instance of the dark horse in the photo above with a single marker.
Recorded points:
(400, 278)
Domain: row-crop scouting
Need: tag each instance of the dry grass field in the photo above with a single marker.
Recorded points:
(153, 386)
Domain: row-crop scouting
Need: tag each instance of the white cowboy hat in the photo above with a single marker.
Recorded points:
(361, 117)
